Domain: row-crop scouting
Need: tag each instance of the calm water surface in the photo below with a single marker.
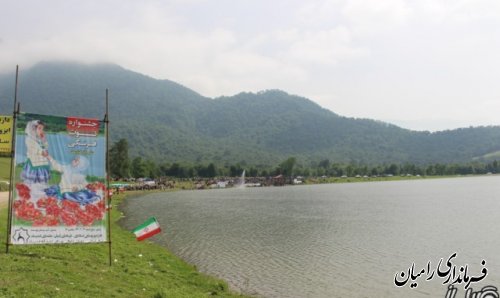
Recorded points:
(336, 240)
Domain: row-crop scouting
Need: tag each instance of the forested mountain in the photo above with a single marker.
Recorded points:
(167, 122)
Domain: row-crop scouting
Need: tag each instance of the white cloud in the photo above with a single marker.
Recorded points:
(376, 14)
(385, 59)
(325, 47)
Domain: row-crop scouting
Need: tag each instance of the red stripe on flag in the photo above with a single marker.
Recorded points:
(149, 234)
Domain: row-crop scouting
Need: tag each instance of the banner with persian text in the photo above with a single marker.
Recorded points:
(5, 134)
(59, 175)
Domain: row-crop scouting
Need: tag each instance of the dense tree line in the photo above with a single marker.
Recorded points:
(123, 167)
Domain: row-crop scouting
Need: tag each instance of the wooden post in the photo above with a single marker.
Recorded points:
(106, 123)
(12, 155)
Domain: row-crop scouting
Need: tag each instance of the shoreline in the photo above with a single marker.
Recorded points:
(139, 269)
(231, 273)
(141, 193)
(142, 259)
(333, 180)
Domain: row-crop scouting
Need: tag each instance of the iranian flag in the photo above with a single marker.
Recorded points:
(149, 228)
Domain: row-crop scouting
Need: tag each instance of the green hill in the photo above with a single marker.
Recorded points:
(168, 122)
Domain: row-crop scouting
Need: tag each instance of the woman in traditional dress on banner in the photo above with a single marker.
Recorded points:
(36, 168)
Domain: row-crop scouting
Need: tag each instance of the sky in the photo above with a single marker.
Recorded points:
(419, 64)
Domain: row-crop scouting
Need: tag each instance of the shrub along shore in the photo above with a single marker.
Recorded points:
(139, 269)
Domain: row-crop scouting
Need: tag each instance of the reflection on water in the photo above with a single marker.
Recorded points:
(337, 240)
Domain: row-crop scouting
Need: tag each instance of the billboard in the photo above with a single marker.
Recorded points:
(59, 175)
(5, 134)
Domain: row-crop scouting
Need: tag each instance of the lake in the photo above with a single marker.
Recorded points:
(335, 240)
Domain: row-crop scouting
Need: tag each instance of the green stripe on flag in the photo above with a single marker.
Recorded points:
(145, 224)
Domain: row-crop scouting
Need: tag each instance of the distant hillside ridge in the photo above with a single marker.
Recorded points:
(167, 122)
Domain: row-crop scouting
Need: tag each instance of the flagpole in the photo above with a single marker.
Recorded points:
(106, 122)
(12, 150)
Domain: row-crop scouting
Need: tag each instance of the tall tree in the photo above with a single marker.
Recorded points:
(119, 160)
(138, 168)
(325, 163)
(286, 167)
(152, 170)
(211, 170)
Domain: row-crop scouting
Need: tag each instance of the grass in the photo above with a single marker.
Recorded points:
(139, 269)
(4, 173)
(369, 179)
(4, 168)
